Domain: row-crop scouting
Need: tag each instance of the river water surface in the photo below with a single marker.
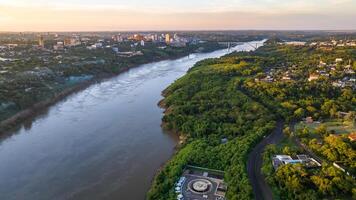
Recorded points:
(104, 142)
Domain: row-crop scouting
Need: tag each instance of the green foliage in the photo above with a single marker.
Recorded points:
(322, 130)
(300, 98)
(44, 74)
(220, 98)
(296, 182)
(162, 187)
(205, 105)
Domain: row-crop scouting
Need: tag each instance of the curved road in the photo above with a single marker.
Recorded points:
(260, 188)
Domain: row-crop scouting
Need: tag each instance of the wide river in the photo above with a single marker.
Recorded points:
(104, 142)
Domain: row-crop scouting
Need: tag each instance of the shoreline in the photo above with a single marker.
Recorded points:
(11, 122)
(180, 143)
(21, 116)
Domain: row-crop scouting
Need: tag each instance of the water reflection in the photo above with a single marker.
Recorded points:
(101, 143)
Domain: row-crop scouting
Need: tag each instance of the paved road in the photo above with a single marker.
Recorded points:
(260, 188)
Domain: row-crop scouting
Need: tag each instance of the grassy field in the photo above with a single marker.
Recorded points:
(338, 126)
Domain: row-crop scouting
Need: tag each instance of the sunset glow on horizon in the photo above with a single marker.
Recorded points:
(119, 15)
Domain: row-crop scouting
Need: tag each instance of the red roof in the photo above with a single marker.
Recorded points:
(352, 136)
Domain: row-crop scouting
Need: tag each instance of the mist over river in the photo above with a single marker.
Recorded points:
(104, 142)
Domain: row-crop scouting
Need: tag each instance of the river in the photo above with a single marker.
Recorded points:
(104, 142)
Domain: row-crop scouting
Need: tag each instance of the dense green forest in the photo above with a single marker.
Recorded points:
(42, 75)
(239, 97)
(206, 106)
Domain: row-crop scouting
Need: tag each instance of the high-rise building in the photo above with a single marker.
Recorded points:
(175, 36)
(41, 41)
(67, 41)
(137, 37)
(142, 43)
(72, 41)
(154, 37)
(117, 38)
(168, 38)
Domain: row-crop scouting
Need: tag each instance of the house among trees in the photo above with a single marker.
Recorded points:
(286, 78)
(337, 60)
(309, 120)
(352, 136)
(313, 77)
(279, 160)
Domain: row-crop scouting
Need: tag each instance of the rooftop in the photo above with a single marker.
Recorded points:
(200, 183)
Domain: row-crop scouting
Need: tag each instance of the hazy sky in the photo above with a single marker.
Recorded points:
(94, 15)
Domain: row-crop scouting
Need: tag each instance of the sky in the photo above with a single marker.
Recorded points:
(125, 15)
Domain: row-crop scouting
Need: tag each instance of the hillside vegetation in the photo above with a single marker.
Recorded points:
(239, 97)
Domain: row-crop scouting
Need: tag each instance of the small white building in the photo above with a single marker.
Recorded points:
(279, 160)
(337, 60)
(313, 77)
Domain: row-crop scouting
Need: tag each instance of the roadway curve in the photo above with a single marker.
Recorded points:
(260, 188)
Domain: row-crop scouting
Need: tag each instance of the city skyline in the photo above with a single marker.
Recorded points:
(110, 15)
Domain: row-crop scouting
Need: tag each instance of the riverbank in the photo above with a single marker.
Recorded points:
(93, 136)
(220, 123)
(17, 118)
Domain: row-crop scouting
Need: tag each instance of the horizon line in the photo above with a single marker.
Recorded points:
(185, 30)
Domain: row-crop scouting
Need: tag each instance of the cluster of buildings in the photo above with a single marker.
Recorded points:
(124, 45)
(167, 38)
(60, 43)
(338, 73)
(67, 42)
(51, 54)
(334, 43)
(51, 49)
(94, 42)
(326, 70)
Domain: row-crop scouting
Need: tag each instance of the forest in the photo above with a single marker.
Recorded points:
(206, 106)
(229, 98)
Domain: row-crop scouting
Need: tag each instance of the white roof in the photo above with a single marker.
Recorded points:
(283, 157)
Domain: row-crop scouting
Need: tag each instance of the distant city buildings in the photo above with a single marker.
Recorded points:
(59, 46)
(168, 38)
(154, 37)
(121, 44)
(72, 41)
(141, 39)
(137, 37)
(95, 46)
(117, 38)
(41, 42)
